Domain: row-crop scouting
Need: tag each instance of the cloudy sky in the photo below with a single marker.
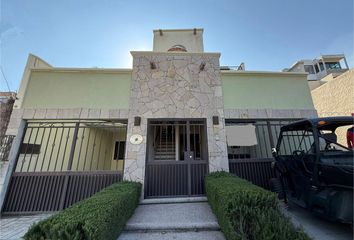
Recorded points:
(266, 35)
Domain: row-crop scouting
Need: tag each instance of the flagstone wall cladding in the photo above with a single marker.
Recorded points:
(177, 88)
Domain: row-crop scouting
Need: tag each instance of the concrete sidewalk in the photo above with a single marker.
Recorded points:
(14, 227)
(318, 228)
(193, 220)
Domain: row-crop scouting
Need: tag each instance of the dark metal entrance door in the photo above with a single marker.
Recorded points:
(177, 158)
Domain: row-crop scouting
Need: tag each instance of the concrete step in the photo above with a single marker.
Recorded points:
(174, 235)
(192, 216)
(173, 156)
(164, 152)
(169, 158)
(165, 146)
(173, 200)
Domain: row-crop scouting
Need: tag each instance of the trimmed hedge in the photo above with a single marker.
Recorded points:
(102, 216)
(246, 211)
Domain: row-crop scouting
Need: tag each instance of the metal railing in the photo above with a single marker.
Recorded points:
(69, 146)
(60, 163)
(5, 147)
(254, 162)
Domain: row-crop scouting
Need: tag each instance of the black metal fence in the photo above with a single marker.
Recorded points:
(60, 163)
(254, 162)
(70, 146)
(54, 191)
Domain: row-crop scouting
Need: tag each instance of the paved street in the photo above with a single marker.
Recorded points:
(318, 228)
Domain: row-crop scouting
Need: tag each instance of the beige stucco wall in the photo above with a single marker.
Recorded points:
(77, 89)
(262, 90)
(186, 37)
(336, 98)
(94, 150)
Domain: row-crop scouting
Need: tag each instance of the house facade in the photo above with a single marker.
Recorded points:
(6, 104)
(168, 121)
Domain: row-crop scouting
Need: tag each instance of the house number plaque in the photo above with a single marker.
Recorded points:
(136, 139)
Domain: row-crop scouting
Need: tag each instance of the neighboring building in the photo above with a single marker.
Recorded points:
(320, 67)
(336, 98)
(7, 100)
(168, 121)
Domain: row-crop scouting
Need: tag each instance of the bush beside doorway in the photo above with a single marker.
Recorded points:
(246, 211)
(102, 216)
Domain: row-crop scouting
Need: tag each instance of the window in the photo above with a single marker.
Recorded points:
(309, 69)
(328, 141)
(177, 48)
(30, 148)
(119, 150)
(333, 65)
(316, 68)
(321, 66)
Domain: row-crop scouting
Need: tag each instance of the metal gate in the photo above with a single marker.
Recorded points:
(60, 163)
(254, 162)
(177, 158)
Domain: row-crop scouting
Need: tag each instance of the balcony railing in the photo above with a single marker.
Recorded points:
(5, 146)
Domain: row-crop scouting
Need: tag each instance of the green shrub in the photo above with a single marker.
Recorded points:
(246, 211)
(102, 216)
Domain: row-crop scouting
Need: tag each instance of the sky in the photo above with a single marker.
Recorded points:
(264, 34)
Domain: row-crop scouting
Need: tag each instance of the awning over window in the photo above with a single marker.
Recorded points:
(241, 135)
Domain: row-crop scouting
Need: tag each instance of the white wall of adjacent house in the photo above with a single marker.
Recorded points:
(191, 40)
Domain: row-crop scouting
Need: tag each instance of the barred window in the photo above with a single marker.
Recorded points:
(119, 150)
(30, 148)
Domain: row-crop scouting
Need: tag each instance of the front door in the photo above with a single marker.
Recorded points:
(177, 158)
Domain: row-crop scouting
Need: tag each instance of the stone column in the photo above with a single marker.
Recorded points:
(175, 85)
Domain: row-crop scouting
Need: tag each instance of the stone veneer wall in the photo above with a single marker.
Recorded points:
(177, 88)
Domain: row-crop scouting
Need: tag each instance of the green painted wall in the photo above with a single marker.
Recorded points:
(78, 90)
(112, 89)
(254, 91)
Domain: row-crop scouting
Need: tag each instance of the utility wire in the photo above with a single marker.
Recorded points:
(7, 83)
